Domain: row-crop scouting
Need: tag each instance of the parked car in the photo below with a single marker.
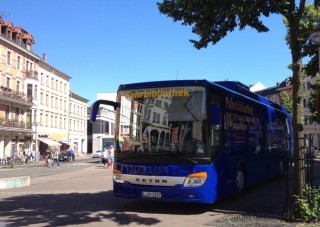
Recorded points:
(63, 156)
(96, 154)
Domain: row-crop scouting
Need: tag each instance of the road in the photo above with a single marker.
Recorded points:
(80, 194)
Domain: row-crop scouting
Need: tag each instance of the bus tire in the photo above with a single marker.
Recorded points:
(281, 169)
(240, 182)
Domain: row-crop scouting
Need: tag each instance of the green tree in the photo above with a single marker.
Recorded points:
(312, 103)
(309, 23)
(286, 101)
(212, 20)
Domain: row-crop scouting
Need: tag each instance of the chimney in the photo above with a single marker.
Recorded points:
(44, 58)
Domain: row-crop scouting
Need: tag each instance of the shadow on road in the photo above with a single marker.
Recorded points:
(85, 208)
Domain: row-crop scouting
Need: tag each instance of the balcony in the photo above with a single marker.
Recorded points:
(14, 96)
(14, 124)
(32, 74)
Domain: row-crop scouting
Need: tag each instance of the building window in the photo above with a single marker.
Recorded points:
(41, 119)
(18, 62)
(47, 120)
(18, 87)
(308, 85)
(28, 47)
(8, 82)
(8, 57)
(29, 90)
(305, 103)
(17, 114)
(47, 100)
(29, 65)
(41, 99)
(34, 120)
(35, 91)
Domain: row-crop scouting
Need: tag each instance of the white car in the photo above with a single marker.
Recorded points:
(96, 154)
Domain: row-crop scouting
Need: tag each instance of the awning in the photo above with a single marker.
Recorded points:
(50, 142)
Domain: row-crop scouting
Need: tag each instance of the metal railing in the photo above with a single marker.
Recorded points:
(14, 124)
(14, 95)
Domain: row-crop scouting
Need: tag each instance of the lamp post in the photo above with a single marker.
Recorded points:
(36, 140)
(315, 37)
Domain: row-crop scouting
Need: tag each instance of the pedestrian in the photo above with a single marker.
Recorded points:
(105, 156)
(33, 156)
(56, 158)
(71, 155)
(111, 156)
(48, 158)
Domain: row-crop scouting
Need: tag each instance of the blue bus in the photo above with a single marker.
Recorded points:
(195, 141)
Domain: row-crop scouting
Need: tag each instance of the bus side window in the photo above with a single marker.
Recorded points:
(216, 123)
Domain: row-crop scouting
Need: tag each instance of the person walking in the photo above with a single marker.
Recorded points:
(56, 158)
(105, 156)
(33, 156)
(48, 157)
(111, 156)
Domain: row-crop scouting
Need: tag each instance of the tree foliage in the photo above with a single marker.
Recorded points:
(310, 22)
(312, 101)
(286, 101)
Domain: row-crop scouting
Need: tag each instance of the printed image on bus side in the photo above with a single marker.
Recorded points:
(195, 141)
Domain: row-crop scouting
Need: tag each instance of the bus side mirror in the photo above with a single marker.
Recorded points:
(215, 114)
(94, 108)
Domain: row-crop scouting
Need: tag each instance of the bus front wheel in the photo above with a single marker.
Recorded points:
(240, 182)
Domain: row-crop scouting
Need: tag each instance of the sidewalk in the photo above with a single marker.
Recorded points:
(42, 162)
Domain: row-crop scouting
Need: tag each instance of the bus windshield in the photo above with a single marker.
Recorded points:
(168, 122)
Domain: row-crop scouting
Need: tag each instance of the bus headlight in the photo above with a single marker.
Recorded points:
(117, 176)
(195, 179)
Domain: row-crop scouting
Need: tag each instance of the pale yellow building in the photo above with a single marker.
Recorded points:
(18, 88)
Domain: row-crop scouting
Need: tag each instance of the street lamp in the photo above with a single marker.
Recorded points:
(36, 140)
(315, 37)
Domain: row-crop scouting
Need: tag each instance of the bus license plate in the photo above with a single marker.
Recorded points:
(156, 195)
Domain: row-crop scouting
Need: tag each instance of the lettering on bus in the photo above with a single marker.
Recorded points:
(239, 121)
(239, 106)
(154, 93)
(236, 121)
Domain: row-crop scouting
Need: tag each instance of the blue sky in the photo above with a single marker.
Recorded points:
(104, 43)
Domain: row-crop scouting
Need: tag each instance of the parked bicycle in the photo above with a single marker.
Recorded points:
(7, 161)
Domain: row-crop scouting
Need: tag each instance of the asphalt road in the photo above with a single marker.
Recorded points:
(80, 194)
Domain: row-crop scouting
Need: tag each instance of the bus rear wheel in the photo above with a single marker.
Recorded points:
(240, 182)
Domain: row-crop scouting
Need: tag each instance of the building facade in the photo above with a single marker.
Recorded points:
(102, 129)
(52, 108)
(18, 84)
(78, 124)
(37, 108)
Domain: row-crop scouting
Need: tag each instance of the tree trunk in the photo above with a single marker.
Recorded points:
(298, 143)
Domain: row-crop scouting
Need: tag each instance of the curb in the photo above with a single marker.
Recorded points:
(14, 182)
